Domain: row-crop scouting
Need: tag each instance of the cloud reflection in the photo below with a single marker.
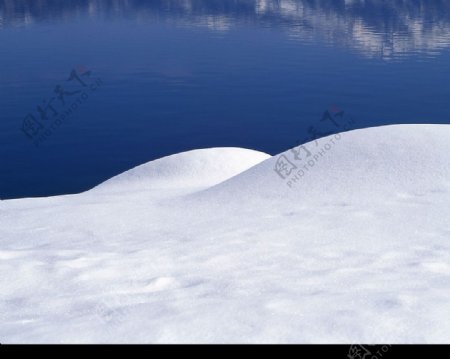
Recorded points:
(375, 28)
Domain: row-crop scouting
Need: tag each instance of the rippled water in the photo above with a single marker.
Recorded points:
(152, 78)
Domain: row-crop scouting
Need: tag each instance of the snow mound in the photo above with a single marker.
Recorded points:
(197, 168)
(360, 165)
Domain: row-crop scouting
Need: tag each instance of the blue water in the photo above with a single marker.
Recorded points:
(153, 78)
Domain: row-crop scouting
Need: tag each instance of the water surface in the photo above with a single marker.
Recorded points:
(153, 78)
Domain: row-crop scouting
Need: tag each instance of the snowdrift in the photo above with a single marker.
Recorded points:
(198, 168)
(343, 240)
(361, 165)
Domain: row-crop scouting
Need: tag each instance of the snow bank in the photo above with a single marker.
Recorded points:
(227, 245)
(198, 168)
(361, 165)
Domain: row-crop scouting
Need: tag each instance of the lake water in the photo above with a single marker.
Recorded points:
(91, 88)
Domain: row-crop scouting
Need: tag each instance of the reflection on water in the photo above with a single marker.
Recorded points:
(375, 28)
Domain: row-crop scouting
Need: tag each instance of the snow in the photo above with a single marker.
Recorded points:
(213, 246)
(198, 168)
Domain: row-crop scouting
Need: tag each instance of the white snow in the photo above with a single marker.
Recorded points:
(213, 246)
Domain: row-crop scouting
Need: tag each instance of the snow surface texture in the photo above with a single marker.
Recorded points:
(214, 246)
